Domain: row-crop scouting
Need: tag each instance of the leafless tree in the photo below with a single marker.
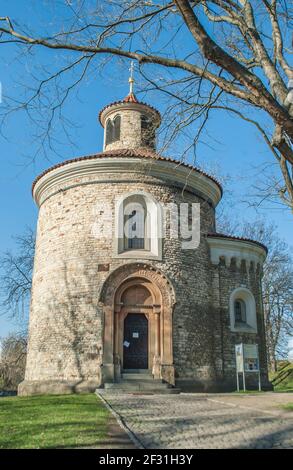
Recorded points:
(213, 56)
(16, 277)
(16, 281)
(12, 361)
(277, 285)
(277, 290)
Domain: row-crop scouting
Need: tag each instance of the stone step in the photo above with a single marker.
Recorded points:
(138, 385)
(161, 391)
(139, 381)
(136, 376)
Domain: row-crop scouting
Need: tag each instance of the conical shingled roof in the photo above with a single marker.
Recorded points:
(131, 98)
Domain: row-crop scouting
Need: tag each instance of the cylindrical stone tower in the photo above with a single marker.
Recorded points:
(137, 129)
(117, 290)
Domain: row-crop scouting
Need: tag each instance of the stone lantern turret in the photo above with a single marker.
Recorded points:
(129, 124)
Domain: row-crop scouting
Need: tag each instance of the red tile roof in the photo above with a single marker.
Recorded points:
(129, 153)
(232, 237)
(131, 98)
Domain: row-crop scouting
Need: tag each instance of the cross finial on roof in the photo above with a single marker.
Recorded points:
(131, 79)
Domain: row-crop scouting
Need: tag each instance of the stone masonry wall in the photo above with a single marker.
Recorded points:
(130, 130)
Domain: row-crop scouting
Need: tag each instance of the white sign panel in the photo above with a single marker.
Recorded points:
(247, 360)
(250, 350)
(239, 357)
(251, 358)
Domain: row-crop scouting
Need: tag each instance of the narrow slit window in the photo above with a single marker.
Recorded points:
(109, 132)
(240, 311)
(116, 129)
(134, 223)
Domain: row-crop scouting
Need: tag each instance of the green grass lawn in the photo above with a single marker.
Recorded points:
(288, 407)
(52, 421)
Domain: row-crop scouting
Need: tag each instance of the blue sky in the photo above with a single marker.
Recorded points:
(236, 148)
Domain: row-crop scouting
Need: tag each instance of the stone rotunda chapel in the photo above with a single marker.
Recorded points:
(113, 310)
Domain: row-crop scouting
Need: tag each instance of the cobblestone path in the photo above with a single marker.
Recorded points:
(199, 421)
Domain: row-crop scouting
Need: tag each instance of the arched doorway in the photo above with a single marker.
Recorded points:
(137, 307)
(138, 304)
(135, 295)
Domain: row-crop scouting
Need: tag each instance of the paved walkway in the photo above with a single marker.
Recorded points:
(201, 421)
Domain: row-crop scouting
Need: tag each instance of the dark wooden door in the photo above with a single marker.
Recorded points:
(135, 344)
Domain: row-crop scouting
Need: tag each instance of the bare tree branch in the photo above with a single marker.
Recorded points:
(235, 50)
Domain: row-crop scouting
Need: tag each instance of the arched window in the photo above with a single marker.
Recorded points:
(240, 311)
(138, 227)
(113, 130)
(116, 130)
(109, 132)
(134, 226)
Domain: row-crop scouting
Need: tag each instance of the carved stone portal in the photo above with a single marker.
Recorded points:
(141, 289)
